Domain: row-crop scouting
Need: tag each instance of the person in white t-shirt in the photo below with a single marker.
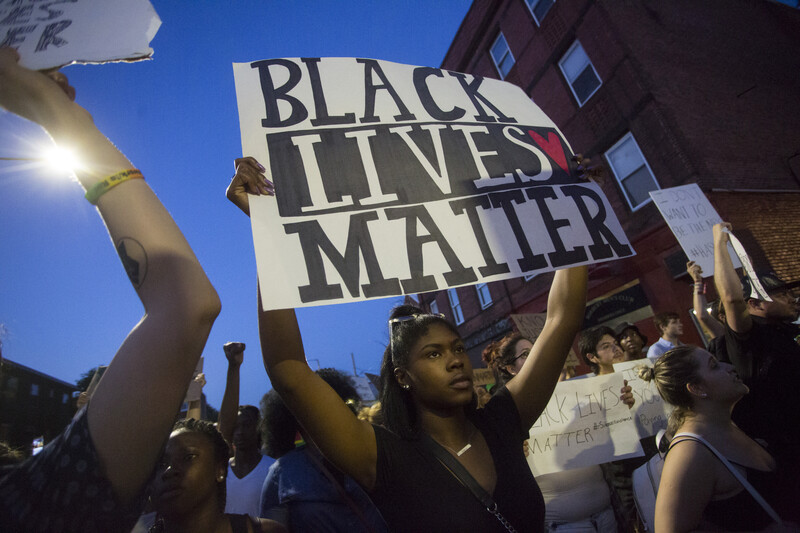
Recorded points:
(670, 326)
(248, 467)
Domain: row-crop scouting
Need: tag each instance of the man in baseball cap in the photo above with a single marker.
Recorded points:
(631, 340)
(784, 305)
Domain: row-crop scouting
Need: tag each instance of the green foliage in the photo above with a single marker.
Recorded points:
(83, 382)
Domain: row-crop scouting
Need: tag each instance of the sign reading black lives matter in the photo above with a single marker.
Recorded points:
(394, 179)
(52, 33)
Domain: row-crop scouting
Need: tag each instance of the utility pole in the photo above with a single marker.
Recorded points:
(353, 359)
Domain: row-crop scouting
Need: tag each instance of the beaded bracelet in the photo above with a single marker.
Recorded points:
(100, 188)
(700, 287)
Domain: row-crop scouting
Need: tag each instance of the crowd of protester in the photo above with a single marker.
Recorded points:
(435, 453)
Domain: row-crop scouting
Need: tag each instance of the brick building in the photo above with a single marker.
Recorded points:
(663, 94)
(32, 404)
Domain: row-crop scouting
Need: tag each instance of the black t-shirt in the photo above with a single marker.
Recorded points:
(767, 359)
(415, 493)
(719, 349)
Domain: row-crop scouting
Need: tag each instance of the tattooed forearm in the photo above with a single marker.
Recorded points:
(134, 259)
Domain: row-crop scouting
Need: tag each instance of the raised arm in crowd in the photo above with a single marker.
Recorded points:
(92, 477)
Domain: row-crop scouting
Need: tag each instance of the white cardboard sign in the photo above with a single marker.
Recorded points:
(650, 411)
(395, 179)
(50, 34)
(585, 423)
(691, 218)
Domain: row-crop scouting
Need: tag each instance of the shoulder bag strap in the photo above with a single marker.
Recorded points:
(738, 475)
(465, 478)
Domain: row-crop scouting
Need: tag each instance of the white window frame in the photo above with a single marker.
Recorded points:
(625, 138)
(529, 277)
(531, 3)
(455, 306)
(508, 53)
(561, 61)
(484, 296)
(434, 307)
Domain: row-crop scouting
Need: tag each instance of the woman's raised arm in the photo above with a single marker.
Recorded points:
(533, 386)
(347, 442)
(153, 366)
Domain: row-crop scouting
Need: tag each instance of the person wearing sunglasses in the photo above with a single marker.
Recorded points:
(577, 499)
(427, 401)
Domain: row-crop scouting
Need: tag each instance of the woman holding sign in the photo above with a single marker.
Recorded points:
(429, 413)
(715, 477)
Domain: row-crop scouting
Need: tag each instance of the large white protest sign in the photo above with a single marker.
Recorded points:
(691, 218)
(650, 411)
(585, 423)
(395, 179)
(51, 34)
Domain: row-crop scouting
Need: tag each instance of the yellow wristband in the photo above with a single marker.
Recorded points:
(99, 189)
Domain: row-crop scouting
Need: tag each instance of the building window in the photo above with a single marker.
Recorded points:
(632, 171)
(64, 398)
(580, 73)
(455, 305)
(434, 307)
(501, 55)
(34, 389)
(483, 295)
(539, 9)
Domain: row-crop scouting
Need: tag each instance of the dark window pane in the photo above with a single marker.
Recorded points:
(638, 184)
(585, 84)
(506, 64)
(541, 8)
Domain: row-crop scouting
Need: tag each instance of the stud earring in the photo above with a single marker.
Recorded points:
(406, 387)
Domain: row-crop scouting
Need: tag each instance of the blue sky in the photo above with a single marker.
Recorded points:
(64, 299)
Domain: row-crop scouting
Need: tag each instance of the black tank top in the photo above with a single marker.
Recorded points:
(238, 522)
(741, 512)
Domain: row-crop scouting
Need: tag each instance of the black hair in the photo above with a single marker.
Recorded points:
(506, 352)
(588, 341)
(221, 450)
(631, 327)
(252, 410)
(279, 426)
(397, 404)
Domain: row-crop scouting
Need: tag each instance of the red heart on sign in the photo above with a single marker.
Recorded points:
(552, 147)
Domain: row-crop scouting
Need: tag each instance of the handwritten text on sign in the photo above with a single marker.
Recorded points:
(397, 179)
(585, 423)
(53, 33)
(691, 218)
(650, 411)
